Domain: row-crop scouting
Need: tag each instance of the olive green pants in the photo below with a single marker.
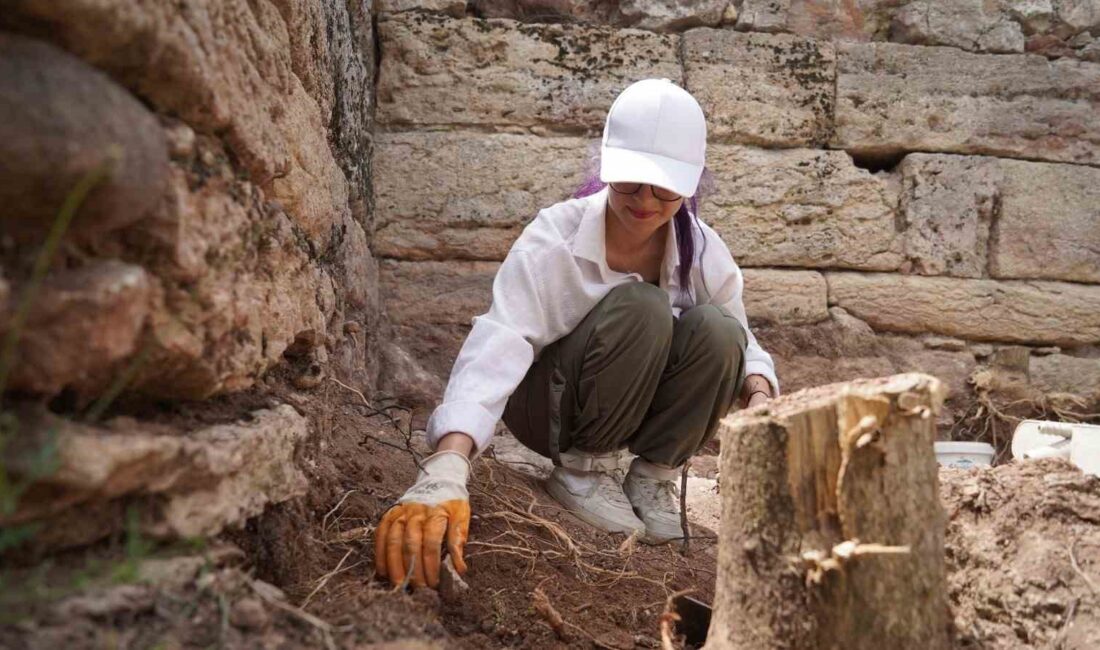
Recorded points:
(631, 375)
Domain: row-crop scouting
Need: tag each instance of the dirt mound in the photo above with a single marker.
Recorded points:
(1023, 555)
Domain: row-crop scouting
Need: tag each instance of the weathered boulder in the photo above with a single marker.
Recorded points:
(1039, 312)
(437, 70)
(1049, 223)
(948, 204)
(61, 120)
(195, 484)
(774, 296)
(406, 380)
(225, 69)
(761, 89)
(892, 98)
(430, 206)
(801, 207)
(81, 325)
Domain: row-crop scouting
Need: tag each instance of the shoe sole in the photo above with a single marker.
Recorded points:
(567, 500)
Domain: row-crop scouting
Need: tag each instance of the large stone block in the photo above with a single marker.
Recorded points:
(1061, 373)
(761, 89)
(775, 296)
(657, 15)
(425, 294)
(947, 205)
(1044, 217)
(972, 25)
(430, 205)
(801, 207)
(456, 8)
(437, 70)
(332, 54)
(892, 98)
(223, 67)
(982, 310)
(1054, 29)
(1049, 224)
(669, 15)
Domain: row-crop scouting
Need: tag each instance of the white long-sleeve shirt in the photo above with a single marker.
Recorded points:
(554, 274)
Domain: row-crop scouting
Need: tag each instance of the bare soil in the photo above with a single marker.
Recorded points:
(1023, 555)
(319, 551)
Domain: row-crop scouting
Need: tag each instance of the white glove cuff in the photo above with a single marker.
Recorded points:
(447, 466)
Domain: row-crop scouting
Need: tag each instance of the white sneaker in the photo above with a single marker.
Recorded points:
(595, 497)
(655, 496)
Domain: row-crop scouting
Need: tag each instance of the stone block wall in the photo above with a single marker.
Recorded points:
(908, 185)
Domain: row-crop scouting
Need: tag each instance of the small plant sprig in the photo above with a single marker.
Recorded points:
(44, 462)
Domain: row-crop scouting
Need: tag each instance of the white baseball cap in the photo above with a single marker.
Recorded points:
(655, 133)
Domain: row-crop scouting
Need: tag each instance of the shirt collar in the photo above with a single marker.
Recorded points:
(591, 240)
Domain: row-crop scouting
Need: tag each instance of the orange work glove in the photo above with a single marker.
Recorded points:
(411, 532)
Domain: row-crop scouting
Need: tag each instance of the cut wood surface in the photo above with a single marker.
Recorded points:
(832, 529)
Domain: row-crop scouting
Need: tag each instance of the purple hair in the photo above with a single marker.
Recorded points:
(685, 241)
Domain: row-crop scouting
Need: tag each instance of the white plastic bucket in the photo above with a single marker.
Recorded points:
(1085, 449)
(964, 455)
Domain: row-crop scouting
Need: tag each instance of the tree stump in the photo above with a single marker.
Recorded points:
(832, 529)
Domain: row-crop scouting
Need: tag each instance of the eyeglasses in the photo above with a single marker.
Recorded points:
(632, 188)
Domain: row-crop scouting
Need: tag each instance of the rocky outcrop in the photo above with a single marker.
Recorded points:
(240, 200)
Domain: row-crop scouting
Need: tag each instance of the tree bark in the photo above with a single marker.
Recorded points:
(832, 529)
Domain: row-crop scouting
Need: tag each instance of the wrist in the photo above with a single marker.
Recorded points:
(756, 384)
(456, 441)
